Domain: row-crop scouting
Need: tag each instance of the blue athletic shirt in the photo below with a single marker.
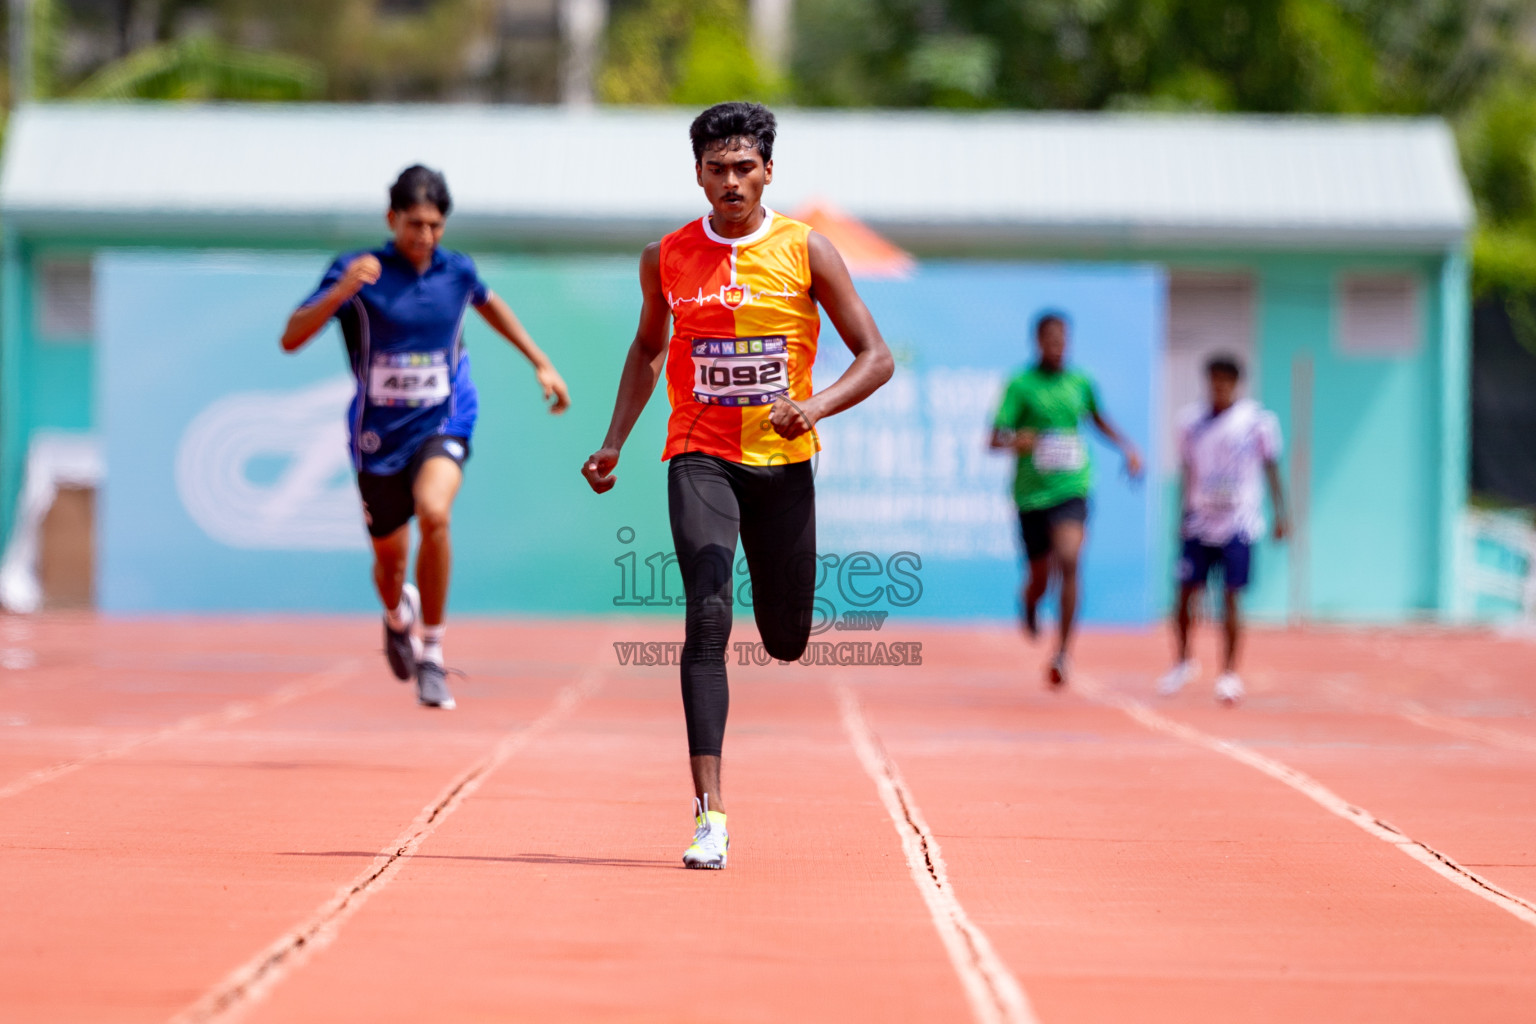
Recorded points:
(405, 341)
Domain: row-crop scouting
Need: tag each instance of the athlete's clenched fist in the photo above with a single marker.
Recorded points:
(790, 420)
(599, 469)
(361, 272)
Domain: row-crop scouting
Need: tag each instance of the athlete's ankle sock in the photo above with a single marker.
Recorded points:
(398, 617)
(432, 643)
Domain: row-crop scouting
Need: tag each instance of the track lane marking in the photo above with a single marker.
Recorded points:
(993, 992)
(1411, 710)
(1419, 715)
(1324, 797)
(241, 989)
(238, 711)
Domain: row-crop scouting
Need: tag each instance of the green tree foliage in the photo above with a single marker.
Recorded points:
(1498, 151)
(692, 52)
(1326, 56)
(1469, 60)
(370, 50)
(203, 69)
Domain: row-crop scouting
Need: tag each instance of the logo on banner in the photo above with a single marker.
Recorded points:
(269, 470)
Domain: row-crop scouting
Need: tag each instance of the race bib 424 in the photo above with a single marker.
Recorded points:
(410, 379)
(740, 371)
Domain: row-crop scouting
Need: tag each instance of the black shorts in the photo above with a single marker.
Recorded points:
(389, 501)
(1037, 524)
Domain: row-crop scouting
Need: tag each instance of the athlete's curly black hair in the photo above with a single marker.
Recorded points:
(418, 184)
(751, 123)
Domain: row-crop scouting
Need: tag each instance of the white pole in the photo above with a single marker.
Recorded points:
(1298, 549)
(21, 51)
(581, 32)
(771, 31)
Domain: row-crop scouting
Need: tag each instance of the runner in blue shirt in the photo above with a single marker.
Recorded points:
(401, 310)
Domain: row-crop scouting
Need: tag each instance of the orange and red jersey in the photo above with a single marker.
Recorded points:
(744, 329)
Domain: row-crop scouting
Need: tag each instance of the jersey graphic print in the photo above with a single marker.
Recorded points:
(1224, 456)
(744, 335)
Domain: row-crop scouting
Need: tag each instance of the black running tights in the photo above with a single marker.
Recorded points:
(773, 510)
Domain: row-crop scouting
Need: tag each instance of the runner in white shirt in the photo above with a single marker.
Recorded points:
(1228, 449)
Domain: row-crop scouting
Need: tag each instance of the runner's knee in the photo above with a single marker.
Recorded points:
(434, 517)
(391, 553)
(707, 628)
(786, 640)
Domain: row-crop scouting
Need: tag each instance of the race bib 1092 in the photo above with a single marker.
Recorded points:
(740, 371)
(411, 379)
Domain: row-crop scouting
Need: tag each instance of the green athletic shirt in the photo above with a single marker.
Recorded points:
(1052, 404)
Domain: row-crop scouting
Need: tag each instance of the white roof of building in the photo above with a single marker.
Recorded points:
(925, 179)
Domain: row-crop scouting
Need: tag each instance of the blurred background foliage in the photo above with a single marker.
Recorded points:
(1471, 61)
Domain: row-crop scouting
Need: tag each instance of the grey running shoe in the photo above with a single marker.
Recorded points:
(432, 686)
(402, 648)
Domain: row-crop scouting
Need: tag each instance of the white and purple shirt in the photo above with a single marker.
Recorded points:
(1225, 454)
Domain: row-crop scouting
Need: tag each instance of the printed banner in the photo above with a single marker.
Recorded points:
(229, 486)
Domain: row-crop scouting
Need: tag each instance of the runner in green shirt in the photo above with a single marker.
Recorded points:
(1039, 419)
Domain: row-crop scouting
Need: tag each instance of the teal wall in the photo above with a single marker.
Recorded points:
(45, 383)
(1373, 529)
(15, 339)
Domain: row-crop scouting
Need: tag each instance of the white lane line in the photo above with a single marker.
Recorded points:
(239, 711)
(1494, 737)
(247, 984)
(1321, 795)
(994, 993)
(1411, 710)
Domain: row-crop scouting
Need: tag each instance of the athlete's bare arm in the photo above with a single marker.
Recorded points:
(1020, 441)
(642, 368)
(1277, 499)
(505, 323)
(307, 320)
(1119, 440)
(872, 366)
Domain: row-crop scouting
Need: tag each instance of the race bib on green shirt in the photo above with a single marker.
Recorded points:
(1060, 451)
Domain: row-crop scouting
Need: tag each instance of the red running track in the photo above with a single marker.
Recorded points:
(219, 820)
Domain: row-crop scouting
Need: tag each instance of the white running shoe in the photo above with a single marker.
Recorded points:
(1174, 680)
(1058, 671)
(710, 839)
(1229, 689)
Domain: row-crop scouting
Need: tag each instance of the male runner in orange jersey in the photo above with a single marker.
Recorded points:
(740, 286)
